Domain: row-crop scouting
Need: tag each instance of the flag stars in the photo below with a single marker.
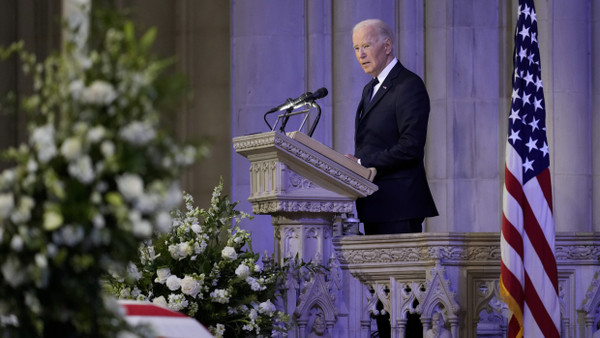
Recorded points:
(534, 37)
(514, 136)
(544, 149)
(528, 78)
(530, 58)
(537, 104)
(525, 99)
(522, 53)
(515, 95)
(531, 144)
(514, 115)
(526, 11)
(533, 17)
(528, 165)
(534, 124)
(538, 83)
(524, 33)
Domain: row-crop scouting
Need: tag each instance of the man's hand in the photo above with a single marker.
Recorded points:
(352, 157)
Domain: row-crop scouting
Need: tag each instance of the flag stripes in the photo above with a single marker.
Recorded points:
(528, 277)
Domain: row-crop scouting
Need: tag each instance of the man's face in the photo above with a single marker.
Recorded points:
(371, 50)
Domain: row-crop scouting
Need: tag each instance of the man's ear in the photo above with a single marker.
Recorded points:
(388, 46)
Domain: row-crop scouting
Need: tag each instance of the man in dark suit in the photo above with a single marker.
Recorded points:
(391, 129)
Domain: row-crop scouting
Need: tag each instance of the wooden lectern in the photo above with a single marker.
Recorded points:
(304, 185)
(295, 173)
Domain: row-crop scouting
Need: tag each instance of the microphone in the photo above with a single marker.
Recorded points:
(301, 100)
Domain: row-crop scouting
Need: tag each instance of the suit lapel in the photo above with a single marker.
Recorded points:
(385, 87)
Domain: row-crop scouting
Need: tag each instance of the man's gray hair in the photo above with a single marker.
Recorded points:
(385, 32)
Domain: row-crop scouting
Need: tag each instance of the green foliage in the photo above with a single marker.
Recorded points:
(97, 177)
(205, 267)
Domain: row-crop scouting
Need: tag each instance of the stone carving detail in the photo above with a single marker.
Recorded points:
(263, 177)
(263, 141)
(334, 282)
(424, 298)
(297, 182)
(316, 303)
(438, 296)
(322, 166)
(490, 315)
(268, 207)
(408, 299)
(416, 254)
(591, 307)
(577, 252)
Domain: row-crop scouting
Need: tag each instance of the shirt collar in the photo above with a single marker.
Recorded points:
(384, 73)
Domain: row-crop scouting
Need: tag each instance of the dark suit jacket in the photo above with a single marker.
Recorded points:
(390, 136)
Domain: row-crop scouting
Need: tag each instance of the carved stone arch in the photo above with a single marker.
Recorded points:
(437, 291)
(407, 296)
(488, 299)
(438, 295)
(591, 305)
(316, 294)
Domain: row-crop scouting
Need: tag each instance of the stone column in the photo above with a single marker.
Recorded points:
(319, 63)
(564, 47)
(463, 72)
(595, 110)
(268, 65)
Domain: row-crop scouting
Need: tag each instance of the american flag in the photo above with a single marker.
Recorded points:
(528, 279)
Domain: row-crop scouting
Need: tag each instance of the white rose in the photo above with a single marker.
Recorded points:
(174, 196)
(173, 282)
(196, 228)
(131, 186)
(52, 220)
(99, 93)
(71, 148)
(266, 307)
(160, 301)
(190, 286)
(162, 275)
(142, 228)
(164, 221)
(76, 89)
(253, 314)
(229, 253)
(96, 134)
(180, 251)
(70, 235)
(43, 139)
(138, 132)
(32, 166)
(41, 260)
(82, 169)
(242, 271)
(16, 243)
(7, 204)
(257, 268)
(13, 272)
(7, 178)
(107, 148)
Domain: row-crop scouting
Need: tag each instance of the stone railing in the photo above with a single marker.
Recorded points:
(456, 274)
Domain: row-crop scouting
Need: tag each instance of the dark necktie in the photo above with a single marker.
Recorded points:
(369, 94)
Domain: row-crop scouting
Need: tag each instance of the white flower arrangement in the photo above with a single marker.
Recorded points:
(204, 267)
(96, 178)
